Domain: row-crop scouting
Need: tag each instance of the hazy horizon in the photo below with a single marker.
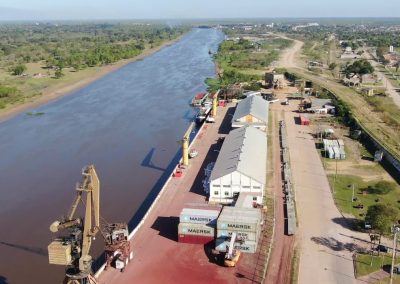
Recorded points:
(18, 10)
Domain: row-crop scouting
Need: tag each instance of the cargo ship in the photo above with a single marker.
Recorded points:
(201, 100)
(202, 115)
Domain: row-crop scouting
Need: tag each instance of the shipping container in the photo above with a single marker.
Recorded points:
(304, 121)
(248, 246)
(199, 216)
(191, 239)
(195, 229)
(240, 219)
(251, 236)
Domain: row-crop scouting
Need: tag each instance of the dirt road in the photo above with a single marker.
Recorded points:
(326, 244)
(385, 82)
(288, 56)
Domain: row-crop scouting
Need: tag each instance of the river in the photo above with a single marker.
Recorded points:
(126, 123)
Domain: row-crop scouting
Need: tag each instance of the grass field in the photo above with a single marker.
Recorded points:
(383, 126)
(342, 189)
(364, 267)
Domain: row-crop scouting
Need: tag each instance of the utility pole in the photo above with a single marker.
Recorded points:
(395, 229)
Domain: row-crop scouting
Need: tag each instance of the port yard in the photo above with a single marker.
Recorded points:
(157, 255)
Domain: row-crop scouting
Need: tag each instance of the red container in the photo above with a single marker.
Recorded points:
(304, 121)
(191, 239)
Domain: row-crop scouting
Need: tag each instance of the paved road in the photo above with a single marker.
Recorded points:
(326, 245)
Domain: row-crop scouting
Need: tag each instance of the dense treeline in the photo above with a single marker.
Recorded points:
(78, 46)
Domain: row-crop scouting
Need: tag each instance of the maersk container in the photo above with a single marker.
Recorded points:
(199, 216)
(196, 230)
(248, 246)
(251, 236)
(239, 219)
(191, 239)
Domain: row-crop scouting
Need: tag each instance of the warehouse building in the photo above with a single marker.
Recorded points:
(241, 166)
(251, 111)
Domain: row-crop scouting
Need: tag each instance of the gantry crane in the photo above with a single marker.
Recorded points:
(72, 249)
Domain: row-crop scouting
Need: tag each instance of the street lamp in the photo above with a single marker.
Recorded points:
(395, 231)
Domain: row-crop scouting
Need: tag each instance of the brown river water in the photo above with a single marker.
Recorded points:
(127, 124)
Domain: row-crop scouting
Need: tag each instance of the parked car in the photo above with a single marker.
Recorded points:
(382, 248)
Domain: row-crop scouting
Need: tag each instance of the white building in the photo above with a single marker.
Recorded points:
(251, 111)
(241, 166)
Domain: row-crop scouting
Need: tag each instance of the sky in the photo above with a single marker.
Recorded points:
(189, 9)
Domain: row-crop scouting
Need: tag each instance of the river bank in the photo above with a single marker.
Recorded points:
(126, 124)
(53, 93)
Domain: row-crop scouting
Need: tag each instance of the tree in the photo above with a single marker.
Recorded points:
(19, 69)
(58, 74)
(332, 66)
(382, 187)
(382, 217)
(360, 67)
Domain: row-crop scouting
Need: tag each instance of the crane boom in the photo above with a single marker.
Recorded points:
(73, 250)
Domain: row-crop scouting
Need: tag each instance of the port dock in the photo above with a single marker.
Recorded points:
(157, 254)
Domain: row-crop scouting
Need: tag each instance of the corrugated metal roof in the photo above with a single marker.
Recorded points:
(244, 150)
(240, 214)
(254, 105)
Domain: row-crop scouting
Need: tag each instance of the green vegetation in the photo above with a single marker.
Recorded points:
(78, 45)
(382, 126)
(382, 217)
(364, 267)
(241, 60)
(50, 56)
(8, 94)
(360, 67)
(244, 54)
(18, 70)
(343, 193)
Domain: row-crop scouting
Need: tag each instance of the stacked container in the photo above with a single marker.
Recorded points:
(246, 222)
(197, 226)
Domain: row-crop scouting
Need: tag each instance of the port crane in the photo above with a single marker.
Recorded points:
(71, 249)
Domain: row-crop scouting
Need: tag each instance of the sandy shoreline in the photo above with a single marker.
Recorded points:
(49, 96)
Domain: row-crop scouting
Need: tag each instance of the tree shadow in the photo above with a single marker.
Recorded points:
(147, 161)
(350, 223)
(225, 127)
(3, 280)
(167, 227)
(211, 156)
(34, 250)
(336, 245)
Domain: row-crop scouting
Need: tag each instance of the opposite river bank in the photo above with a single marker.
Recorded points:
(53, 93)
(127, 123)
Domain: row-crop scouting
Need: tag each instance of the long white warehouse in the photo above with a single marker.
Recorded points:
(241, 166)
